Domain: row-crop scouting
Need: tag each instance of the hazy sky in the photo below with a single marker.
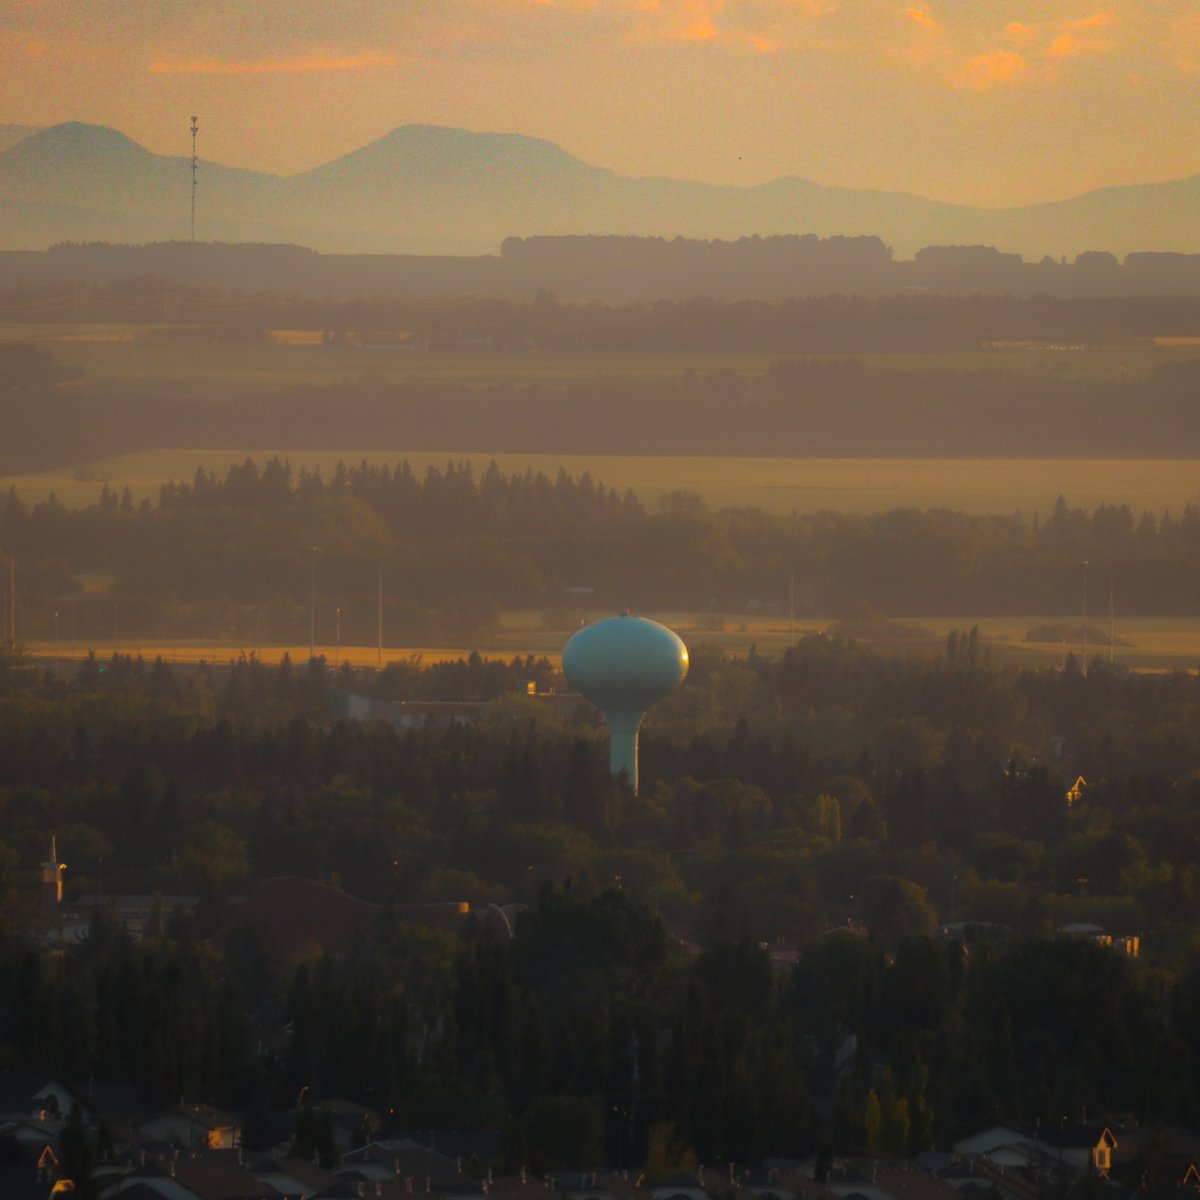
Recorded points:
(983, 101)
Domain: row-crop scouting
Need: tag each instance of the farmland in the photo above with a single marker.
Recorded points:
(193, 356)
(129, 408)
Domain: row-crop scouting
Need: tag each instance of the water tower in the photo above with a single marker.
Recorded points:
(623, 665)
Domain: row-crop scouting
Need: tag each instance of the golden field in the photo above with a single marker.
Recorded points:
(779, 485)
(1143, 643)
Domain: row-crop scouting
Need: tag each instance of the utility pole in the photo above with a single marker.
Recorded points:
(379, 656)
(195, 164)
(12, 602)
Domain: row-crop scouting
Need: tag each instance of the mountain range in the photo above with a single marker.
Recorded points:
(425, 189)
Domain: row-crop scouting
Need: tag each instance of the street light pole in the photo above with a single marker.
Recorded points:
(1085, 600)
(312, 608)
(791, 609)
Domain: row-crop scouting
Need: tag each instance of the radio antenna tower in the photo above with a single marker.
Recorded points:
(194, 165)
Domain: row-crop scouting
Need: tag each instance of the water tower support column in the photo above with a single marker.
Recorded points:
(623, 728)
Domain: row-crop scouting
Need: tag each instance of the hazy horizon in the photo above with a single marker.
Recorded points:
(959, 104)
(350, 148)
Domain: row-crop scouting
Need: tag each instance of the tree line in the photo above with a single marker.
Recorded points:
(590, 266)
(246, 554)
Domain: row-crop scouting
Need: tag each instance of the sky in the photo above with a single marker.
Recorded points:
(990, 102)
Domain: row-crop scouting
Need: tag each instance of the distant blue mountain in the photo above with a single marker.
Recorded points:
(431, 189)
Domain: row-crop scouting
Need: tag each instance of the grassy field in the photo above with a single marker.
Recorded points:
(776, 484)
(1143, 643)
(131, 353)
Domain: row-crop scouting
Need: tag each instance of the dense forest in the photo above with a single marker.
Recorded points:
(636, 1013)
(244, 555)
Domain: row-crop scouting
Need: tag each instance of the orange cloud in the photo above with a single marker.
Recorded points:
(703, 21)
(1082, 37)
(1042, 47)
(1095, 21)
(760, 25)
(1067, 39)
(1023, 35)
(697, 22)
(986, 71)
(1063, 46)
(923, 46)
(369, 61)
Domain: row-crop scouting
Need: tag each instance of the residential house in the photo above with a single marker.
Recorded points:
(1077, 1148)
(295, 1177)
(194, 1127)
(202, 1176)
(1150, 1158)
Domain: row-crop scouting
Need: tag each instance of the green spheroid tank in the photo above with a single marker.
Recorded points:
(623, 665)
